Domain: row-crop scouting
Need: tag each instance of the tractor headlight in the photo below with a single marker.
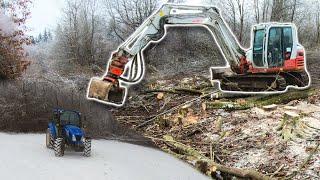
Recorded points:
(74, 138)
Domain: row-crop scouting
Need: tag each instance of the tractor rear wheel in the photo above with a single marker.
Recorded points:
(87, 147)
(49, 139)
(59, 147)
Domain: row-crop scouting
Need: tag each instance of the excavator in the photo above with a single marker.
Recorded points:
(274, 61)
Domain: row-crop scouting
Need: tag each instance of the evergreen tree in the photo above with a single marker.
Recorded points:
(32, 40)
(40, 39)
(49, 35)
(45, 36)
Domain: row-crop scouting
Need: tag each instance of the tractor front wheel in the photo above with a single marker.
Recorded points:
(87, 147)
(49, 139)
(59, 147)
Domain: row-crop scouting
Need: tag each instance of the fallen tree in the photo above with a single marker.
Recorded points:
(204, 164)
(259, 101)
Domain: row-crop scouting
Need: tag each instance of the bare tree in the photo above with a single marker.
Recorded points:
(318, 25)
(241, 17)
(237, 17)
(81, 36)
(126, 16)
(277, 13)
(257, 10)
(294, 7)
(232, 7)
(284, 10)
(261, 10)
(265, 10)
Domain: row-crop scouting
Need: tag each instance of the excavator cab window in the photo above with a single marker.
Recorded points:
(258, 48)
(280, 44)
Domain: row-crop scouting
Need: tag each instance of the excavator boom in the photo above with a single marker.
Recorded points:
(152, 30)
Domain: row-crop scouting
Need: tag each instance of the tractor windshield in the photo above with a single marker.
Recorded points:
(70, 118)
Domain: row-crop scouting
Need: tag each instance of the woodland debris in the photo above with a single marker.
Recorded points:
(222, 95)
(226, 105)
(241, 101)
(288, 124)
(160, 96)
(179, 91)
(190, 119)
(305, 162)
(283, 98)
(217, 131)
(306, 108)
(206, 165)
(153, 118)
(218, 124)
(291, 115)
(204, 106)
(291, 108)
(312, 122)
(270, 107)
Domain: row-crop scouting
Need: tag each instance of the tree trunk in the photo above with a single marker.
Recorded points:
(277, 10)
(318, 27)
(293, 10)
(257, 11)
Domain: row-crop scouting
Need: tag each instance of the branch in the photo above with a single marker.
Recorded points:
(206, 165)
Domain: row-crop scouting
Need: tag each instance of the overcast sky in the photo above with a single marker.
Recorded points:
(46, 14)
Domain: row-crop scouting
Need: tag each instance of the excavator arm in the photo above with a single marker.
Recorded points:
(127, 67)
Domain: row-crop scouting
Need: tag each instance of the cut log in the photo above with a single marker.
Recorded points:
(160, 96)
(227, 105)
(205, 165)
(291, 115)
(283, 98)
(175, 91)
(271, 107)
(267, 101)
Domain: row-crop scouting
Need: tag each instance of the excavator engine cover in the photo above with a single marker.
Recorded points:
(106, 91)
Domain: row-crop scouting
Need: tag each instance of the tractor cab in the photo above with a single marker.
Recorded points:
(66, 117)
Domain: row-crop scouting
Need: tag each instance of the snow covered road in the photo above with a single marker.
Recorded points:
(24, 156)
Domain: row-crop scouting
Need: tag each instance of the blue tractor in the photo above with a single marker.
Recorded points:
(65, 130)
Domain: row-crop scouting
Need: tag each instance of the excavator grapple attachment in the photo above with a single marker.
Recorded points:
(106, 92)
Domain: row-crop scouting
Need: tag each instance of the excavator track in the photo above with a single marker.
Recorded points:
(263, 82)
(301, 79)
(253, 82)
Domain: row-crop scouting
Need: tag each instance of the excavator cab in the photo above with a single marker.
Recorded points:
(275, 61)
(274, 45)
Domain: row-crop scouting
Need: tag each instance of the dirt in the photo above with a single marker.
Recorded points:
(313, 61)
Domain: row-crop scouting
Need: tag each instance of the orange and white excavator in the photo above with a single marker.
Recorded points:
(274, 61)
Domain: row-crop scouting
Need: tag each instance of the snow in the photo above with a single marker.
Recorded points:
(24, 156)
